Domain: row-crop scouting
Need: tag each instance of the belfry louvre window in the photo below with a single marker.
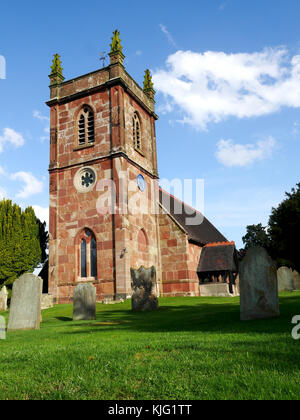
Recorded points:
(86, 126)
(136, 124)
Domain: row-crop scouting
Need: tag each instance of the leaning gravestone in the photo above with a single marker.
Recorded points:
(25, 306)
(3, 299)
(258, 286)
(84, 302)
(142, 282)
(296, 277)
(285, 279)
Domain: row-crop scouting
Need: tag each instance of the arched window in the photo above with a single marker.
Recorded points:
(88, 255)
(137, 138)
(86, 126)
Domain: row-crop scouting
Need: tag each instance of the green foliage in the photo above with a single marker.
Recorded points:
(281, 236)
(284, 230)
(20, 248)
(256, 236)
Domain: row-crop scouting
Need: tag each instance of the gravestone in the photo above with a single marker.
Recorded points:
(25, 306)
(142, 282)
(285, 279)
(2, 328)
(296, 277)
(3, 299)
(84, 308)
(47, 301)
(258, 286)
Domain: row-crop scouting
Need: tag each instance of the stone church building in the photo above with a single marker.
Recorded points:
(107, 212)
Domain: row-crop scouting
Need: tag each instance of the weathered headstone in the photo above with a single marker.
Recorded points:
(25, 305)
(142, 282)
(47, 301)
(285, 279)
(296, 277)
(84, 308)
(258, 286)
(2, 328)
(3, 299)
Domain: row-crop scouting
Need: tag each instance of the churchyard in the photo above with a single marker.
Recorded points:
(191, 348)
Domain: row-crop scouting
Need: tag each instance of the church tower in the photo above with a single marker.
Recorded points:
(103, 179)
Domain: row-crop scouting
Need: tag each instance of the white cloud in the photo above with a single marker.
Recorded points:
(212, 86)
(40, 117)
(11, 136)
(32, 184)
(42, 213)
(43, 118)
(168, 35)
(233, 154)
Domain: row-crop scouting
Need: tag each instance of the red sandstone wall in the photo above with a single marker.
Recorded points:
(76, 211)
(177, 259)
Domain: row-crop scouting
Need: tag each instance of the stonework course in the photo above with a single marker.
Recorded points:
(25, 306)
(258, 286)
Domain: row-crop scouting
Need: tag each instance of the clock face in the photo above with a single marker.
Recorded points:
(141, 183)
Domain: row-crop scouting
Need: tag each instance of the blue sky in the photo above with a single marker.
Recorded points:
(227, 75)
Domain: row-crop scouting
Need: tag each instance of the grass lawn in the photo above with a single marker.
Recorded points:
(192, 348)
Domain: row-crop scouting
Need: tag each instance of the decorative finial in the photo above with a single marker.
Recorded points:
(116, 46)
(148, 84)
(116, 52)
(56, 76)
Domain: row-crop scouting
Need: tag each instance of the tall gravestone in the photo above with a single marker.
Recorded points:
(296, 277)
(258, 286)
(142, 282)
(84, 308)
(285, 279)
(2, 328)
(25, 305)
(3, 299)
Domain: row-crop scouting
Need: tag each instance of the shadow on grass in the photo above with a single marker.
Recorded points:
(64, 319)
(203, 317)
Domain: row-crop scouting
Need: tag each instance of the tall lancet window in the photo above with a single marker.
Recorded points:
(86, 126)
(88, 255)
(136, 127)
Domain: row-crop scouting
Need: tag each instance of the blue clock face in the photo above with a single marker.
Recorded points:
(141, 183)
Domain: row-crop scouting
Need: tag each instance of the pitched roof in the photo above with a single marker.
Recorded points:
(218, 257)
(203, 232)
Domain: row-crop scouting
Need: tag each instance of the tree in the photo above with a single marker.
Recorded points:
(284, 230)
(22, 241)
(256, 236)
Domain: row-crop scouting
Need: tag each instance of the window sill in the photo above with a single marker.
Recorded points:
(86, 280)
(84, 146)
(139, 151)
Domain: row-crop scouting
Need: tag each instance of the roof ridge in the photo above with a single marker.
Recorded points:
(211, 244)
